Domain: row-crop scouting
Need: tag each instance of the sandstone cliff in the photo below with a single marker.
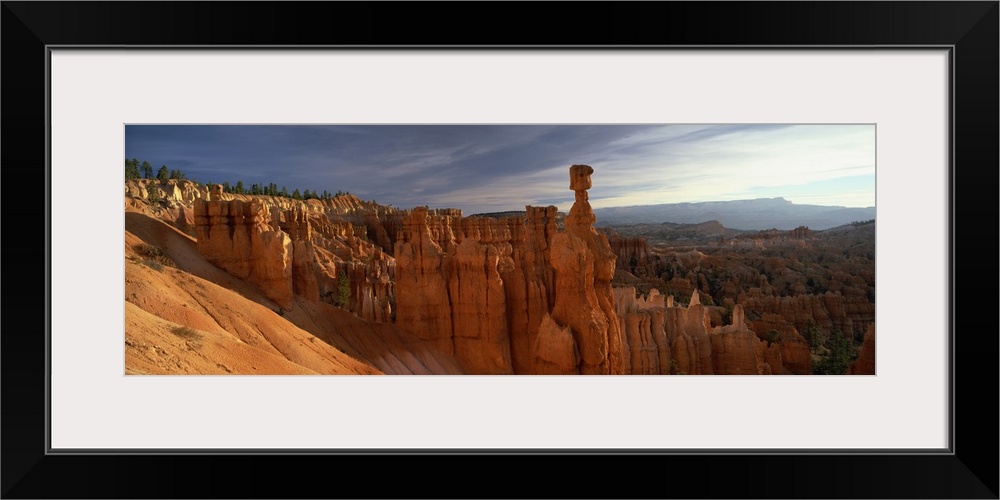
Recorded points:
(644, 337)
(665, 339)
(236, 237)
(829, 311)
(184, 315)
(796, 357)
(483, 288)
(304, 248)
(423, 307)
(585, 265)
(632, 252)
(515, 295)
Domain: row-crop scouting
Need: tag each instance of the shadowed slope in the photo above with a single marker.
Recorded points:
(231, 327)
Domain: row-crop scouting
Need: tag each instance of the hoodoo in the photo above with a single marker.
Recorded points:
(584, 265)
(512, 295)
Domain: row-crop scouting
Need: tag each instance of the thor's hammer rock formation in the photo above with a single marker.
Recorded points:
(512, 295)
(584, 265)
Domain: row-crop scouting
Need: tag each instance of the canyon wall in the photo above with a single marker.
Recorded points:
(851, 314)
(503, 296)
(292, 248)
(512, 295)
(632, 252)
(664, 339)
(236, 237)
(516, 295)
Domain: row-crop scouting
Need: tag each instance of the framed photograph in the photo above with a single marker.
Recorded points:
(919, 78)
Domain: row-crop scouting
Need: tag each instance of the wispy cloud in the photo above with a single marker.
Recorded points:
(488, 167)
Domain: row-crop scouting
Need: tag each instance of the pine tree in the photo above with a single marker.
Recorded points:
(296, 195)
(147, 169)
(343, 290)
(163, 174)
(131, 169)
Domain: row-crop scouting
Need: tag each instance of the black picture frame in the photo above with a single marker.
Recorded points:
(969, 28)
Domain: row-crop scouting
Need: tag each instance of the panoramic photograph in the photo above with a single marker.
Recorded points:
(675, 249)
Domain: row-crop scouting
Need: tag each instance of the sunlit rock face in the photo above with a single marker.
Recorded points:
(515, 295)
(236, 237)
(503, 296)
(512, 295)
(644, 339)
(292, 248)
(584, 265)
(423, 306)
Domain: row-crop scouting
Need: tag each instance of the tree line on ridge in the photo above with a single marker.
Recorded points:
(144, 170)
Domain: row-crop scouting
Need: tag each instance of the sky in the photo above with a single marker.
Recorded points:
(487, 168)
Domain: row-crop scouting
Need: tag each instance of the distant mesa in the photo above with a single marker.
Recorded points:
(758, 214)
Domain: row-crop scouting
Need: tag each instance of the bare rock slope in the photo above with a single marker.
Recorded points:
(185, 315)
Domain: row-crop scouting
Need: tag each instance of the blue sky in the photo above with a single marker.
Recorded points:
(481, 168)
